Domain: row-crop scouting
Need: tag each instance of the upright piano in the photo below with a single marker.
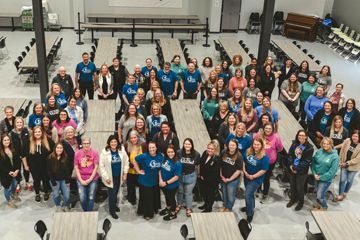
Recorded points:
(300, 26)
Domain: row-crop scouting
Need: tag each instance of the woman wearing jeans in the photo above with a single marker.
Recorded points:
(255, 167)
(59, 174)
(349, 164)
(190, 160)
(86, 162)
(324, 166)
(231, 167)
(113, 166)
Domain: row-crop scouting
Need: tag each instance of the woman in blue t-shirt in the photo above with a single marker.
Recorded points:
(35, 118)
(147, 165)
(153, 122)
(242, 137)
(169, 174)
(255, 167)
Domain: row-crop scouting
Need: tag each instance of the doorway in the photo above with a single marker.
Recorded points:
(230, 15)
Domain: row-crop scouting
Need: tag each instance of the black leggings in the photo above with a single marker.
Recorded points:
(131, 183)
(208, 193)
(266, 183)
(87, 87)
(297, 187)
(149, 201)
(170, 198)
(39, 177)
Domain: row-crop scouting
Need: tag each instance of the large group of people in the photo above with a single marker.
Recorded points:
(145, 152)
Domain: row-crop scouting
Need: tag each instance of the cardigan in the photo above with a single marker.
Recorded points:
(99, 83)
(80, 129)
(6, 167)
(355, 157)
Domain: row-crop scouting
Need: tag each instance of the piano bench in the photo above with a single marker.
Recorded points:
(297, 34)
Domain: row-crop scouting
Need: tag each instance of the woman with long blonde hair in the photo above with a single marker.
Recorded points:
(248, 115)
(337, 132)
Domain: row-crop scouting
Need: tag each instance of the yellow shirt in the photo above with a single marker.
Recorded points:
(132, 156)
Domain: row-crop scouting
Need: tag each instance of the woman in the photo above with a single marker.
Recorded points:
(273, 146)
(230, 171)
(206, 68)
(264, 119)
(248, 115)
(20, 139)
(209, 107)
(324, 78)
(169, 175)
(153, 121)
(59, 175)
(321, 121)
(141, 94)
(86, 162)
(351, 116)
(267, 80)
(62, 122)
(150, 94)
(237, 82)
(337, 132)
(71, 144)
(349, 164)
(129, 90)
(290, 93)
(76, 114)
(140, 128)
(113, 168)
(190, 160)
(226, 72)
(314, 103)
(147, 166)
(209, 174)
(223, 91)
(303, 72)
(134, 147)
(308, 89)
(160, 99)
(299, 160)
(267, 108)
(49, 130)
(227, 127)
(235, 101)
(286, 71)
(337, 97)
(81, 102)
(324, 166)
(219, 117)
(255, 167)
(176, 65)
(127, 122)
(241, 137)
(60, 98)
(39, 151)
(253, 74)
(104, 83)
(140, 109)
(251, 91)
(36, 117)
(51, 108)
(152, 77)
(259, 100)
(10, 165)
(236, 63)
(209, 84)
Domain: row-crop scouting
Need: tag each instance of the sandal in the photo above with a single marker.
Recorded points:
(188, 212)
(177, 209)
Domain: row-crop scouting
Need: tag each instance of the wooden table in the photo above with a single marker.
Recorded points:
(11, 16)
(232, 47)
(30, 60)
(288, 126)
(215, 226)
(296, 54)
(98, 139)
(171, 47)
(338, 225)
(75, 225)
(105, 51)
(101, 116)
(16, 103)
(189, 123)
(142, 16)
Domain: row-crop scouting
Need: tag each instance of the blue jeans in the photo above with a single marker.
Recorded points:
(186, 186)
(229, 193)
(10, 190)
(87, 195)
(65, 190)
(113, 192)
(346, 180)
(250, 189)
(322, 188)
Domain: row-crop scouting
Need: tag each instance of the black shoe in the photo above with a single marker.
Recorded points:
(38, 198)
(133, 203)
(249, 218)
(117, 209)
(243, 209)
(290, 204)
(46, 197)
(114, 215)
(299, 206)
(202, 207)
(170, 216)
(164, 212)
(206, 210)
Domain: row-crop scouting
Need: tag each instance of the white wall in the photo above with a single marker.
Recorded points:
(347, 12)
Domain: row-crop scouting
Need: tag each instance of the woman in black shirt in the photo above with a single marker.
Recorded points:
(303, 72)
(51, 108)
(267, 81)
(227, 127)
(231, 167)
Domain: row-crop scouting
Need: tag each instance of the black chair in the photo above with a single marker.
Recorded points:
(23, 54)
(245, 228)
(311, 56)
(106, 228)
(185, 232)
(3, 45)
(313, 236)
(27, 48)
(298, 46)
(246, 49)
(40, 228)
(32, 42)
(20, 58)
(217, 46)
(93, 48)
(96, 42)
(318, 62)
(251, 55)
(278, 22)
(253, 25)
(305, 51)
(241, 41)
(294, 42)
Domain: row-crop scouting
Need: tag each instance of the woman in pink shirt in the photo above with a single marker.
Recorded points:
(86, 162)
(237, 82)
(273, 145)
(62, 121)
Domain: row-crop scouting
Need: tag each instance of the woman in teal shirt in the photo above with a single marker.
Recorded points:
(308, 88)
(210, 106)
(178, 68)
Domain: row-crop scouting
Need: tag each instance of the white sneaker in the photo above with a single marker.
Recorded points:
(66, 209)
(12, 204)
(58, 209)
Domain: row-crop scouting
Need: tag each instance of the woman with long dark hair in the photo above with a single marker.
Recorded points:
(35, 118)
(322, 119)
(127, 122)
(351, 116)
(267, 80)
(62, 122)
(77, 115)
(51, 108)
(248, 115)
(290, 92)
(324, 78)
(337, 132)
(308, 89)
(50, 131)
(227, 127)
(303, 72)
(81, 102)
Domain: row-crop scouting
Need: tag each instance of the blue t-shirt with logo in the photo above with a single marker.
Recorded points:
(244, 142)
(167, 81)
(225, 76)
(61, 100)
(151, 166)
(274, 113)
(115, 164)
(129, 90)
(155, 126)
(35, 120)
(86, 71)
(347, 118)
(253, 165)
(146, 71)
(191, 81)
(169, 169)
(323, 123)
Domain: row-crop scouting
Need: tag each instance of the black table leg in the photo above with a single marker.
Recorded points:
(12, 24)
(152, 32)
(92, 35)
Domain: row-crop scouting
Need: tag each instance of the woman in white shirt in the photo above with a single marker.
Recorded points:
(104, 84)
